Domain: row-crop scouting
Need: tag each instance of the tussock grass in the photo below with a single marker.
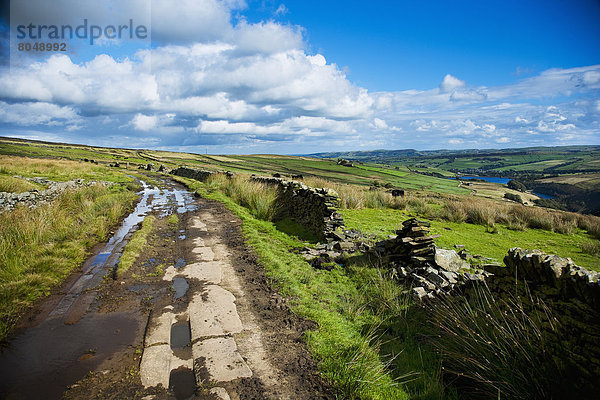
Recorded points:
(495, 348)
(40, 247)
(17, 185)
(590, 247)
(135, 246)
(357, 197)
(258, 198)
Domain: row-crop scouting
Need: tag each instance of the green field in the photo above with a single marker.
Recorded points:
(476, 238)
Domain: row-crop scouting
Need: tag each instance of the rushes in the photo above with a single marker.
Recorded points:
(495, 347)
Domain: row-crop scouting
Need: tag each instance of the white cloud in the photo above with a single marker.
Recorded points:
(451, 83)
(143, 122)
(209, 81)
(38, 113)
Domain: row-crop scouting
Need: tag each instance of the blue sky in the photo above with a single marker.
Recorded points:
(399, 45)
(235, 76)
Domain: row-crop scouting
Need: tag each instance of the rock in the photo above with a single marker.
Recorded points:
(419, 293)
(449, 260)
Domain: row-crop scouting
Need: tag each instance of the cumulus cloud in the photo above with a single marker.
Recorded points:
(143, 122)
(451, 83)
(240, 86)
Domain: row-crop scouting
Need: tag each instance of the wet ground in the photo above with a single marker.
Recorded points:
(87, 340)
(69, 338)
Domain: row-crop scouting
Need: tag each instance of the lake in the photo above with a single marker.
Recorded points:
(493, 179)
(503, 181)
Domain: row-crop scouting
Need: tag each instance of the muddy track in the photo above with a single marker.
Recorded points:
(194, 317)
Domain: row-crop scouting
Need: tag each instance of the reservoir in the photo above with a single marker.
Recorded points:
(493, 179)
(503, 181)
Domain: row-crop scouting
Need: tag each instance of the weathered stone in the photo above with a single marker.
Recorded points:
(449, 260)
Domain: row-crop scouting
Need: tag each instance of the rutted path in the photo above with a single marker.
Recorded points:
(195, 313)
(212, 318)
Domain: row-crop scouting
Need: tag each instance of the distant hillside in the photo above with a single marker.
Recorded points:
(506, 162)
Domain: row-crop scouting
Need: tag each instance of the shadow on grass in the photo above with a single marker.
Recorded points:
(293, 228)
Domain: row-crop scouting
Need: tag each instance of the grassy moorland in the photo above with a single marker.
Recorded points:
(39, 248)
(371, 342)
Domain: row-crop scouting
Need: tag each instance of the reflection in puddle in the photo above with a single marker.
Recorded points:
(180, 335)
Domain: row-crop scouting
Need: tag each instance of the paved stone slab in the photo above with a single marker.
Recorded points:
(160, 328)
(198, 224)
(155, 366)
(203, 254)
(213, 313)
(198, 242)
(219, 359)
(219, 393)
(207, 272)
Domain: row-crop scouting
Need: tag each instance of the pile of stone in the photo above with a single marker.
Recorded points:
(416, 261)
(341, 241)
(413, 244)
(35, 198)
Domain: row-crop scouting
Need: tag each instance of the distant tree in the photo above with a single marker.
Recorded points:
(516, 185)
(513, 197)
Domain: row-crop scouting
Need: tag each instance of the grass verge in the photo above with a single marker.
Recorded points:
(40, 247)
(136, 245)
(352, 311)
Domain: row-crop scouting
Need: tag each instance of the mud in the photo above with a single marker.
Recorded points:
(98, 356)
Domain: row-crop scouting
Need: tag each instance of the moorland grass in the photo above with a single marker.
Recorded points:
(478, 211)
(477, 239)
(17, 185)
(135, 246)
(58, 170)
(40, 247)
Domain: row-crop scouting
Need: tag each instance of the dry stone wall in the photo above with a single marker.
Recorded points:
(571, 294)
(35, 198)
(197, 174)
(315, 209)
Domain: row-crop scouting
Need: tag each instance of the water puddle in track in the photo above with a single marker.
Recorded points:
(181, 286)
(182, 383)
(180, 335)
(180, 263)
(42, 361)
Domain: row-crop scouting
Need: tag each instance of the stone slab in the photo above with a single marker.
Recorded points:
(218, 360)
(213, 313)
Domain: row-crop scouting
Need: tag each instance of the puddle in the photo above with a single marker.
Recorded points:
(44, 360)
(181, 287)
(180, 263)
(180, 335)
(182, 383)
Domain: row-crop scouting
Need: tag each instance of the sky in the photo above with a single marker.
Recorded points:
(306, 76)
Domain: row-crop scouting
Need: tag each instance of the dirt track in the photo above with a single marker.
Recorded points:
(195, 312)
